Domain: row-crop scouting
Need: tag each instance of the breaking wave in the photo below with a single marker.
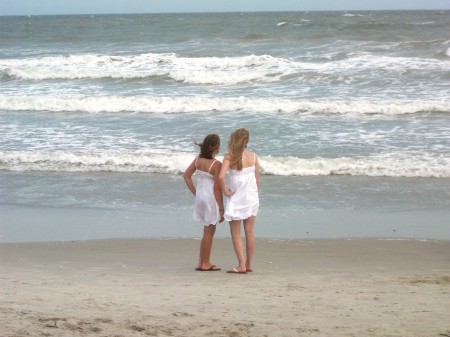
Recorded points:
(208, 70)
(178, 105)
(392, 165)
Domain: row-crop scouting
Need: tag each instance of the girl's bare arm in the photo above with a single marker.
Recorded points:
(188, 177)
(217, 188)
(223, 172)
(257, 171)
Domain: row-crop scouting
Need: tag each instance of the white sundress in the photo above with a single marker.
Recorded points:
(206, 209)
(244, 203)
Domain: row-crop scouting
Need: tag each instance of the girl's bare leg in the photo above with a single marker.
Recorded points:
(206, 246)
(249, 225)
(235, 228)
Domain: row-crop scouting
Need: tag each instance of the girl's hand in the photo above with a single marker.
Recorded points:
(228, 193)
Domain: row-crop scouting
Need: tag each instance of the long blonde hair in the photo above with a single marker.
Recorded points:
(236, 146)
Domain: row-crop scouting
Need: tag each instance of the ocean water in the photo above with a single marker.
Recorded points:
(349, 113)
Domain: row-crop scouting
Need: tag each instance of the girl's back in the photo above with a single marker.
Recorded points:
(205, 165)
(248, 160)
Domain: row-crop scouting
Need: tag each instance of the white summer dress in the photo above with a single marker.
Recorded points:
(206, 208)
(244, 203)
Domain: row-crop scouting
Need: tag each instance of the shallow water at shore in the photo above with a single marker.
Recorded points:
(38, 206)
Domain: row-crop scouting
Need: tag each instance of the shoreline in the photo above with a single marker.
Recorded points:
(148, 287)
(49, 206)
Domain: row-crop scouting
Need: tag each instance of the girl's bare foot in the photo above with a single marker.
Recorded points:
(237, 271)
(210, 267)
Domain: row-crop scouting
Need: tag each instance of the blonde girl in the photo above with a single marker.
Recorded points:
(243, 203)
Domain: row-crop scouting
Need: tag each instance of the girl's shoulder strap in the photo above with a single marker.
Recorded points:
(254, 158)
(209, 171)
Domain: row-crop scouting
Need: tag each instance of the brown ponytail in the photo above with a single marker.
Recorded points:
(209, 145)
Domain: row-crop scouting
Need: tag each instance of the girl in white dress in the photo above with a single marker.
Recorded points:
(243, 203)
(208, 196)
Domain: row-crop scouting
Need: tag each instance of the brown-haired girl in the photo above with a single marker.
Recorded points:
(208, 196)
(243, 202)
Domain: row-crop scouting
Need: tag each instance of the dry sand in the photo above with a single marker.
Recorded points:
(142, 287)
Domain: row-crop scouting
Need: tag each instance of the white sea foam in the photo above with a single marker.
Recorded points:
(425, 23)
(392, 165)
(382, 165)
(177, 105)
(80, 162)
(352, 15)
(201, 70)
(205, 70)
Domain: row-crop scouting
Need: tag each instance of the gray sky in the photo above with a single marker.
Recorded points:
(43, 7)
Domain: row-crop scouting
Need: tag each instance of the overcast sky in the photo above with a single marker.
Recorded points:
(43, 7)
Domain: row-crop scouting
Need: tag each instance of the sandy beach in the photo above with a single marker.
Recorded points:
(148, 287)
